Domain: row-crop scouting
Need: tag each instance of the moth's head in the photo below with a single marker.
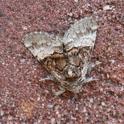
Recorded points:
(72, 73)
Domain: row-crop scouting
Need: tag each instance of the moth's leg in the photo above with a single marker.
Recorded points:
(60, 92)
(89, 79)
(86, 69)
(92, 65)
(48, 78)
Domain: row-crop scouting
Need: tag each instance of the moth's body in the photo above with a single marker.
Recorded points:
(67, 58)
(67, 68)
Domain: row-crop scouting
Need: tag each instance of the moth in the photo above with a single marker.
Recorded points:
(67, 58)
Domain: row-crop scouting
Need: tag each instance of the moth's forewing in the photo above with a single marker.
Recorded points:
(42, 44)
(81, 34)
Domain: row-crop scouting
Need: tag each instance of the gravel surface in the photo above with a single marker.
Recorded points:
(26, 100)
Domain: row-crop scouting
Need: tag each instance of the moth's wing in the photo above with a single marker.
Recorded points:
(81, 34)
(42, 44)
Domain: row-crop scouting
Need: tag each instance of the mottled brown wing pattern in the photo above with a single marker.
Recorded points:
(66, 57)
(42, 44)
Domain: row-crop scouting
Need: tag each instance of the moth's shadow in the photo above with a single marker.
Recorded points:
(48, 85)
(69, 95)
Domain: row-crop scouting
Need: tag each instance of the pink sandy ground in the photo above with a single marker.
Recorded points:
(26, 100)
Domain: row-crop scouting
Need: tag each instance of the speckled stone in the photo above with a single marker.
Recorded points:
(21, 102)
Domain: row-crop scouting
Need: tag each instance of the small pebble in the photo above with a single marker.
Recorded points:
(53, 121)
(76, 1)
(108, 7)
